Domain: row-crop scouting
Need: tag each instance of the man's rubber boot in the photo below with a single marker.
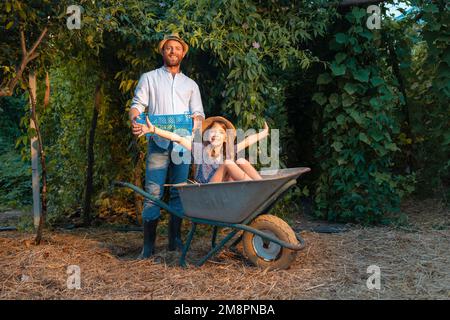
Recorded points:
(149, 238)
(175, 233)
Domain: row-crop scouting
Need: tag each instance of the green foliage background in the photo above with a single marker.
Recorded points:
(367, 110)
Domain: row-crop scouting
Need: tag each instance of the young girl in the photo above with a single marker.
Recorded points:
(217, 151)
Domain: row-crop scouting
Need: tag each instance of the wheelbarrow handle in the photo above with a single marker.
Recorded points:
(150, 197)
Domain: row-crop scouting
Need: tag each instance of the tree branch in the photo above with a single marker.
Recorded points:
(38, 41)
(27, 56)
(23, 44)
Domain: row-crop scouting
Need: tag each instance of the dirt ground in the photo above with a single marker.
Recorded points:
(414, 262)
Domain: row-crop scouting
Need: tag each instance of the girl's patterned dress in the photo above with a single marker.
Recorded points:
(208, 167)
(206, 170)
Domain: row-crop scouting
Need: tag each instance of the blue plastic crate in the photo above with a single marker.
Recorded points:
(170, 122)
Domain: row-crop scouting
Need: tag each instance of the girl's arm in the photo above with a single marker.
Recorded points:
(248, 141)
(150, 128)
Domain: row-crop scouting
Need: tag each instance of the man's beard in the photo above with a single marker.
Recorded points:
(172, 64)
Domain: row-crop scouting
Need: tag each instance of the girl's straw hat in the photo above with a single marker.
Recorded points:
(211, 120)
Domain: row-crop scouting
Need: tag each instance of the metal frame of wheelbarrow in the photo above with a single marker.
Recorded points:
(264, 207)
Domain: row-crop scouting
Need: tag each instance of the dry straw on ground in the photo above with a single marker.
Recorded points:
(414, 262)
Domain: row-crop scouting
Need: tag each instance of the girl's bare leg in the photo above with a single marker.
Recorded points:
(228, 178)
(248, 169)
(235, 172)
(220, 174)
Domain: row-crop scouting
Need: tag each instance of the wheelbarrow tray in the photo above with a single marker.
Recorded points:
(233, 201)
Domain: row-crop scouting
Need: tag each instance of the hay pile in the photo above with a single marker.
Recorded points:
(414, 262)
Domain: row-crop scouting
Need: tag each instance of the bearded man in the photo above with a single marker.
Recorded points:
(164, 91)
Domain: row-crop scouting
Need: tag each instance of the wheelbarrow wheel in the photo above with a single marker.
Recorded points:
(266, 254)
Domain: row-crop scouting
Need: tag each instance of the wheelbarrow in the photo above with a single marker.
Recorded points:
(268, 241)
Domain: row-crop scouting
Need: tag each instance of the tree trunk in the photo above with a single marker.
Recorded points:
(36, 184)
(90, 159)
(42, 217)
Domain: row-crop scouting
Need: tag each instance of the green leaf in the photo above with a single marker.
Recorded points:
(357, 158)
(338, 70)
(363, 137)
(339, 57)
(356, 116)
(347, 100)
(237, 108)
(334, 100)
(376, 81)
(391, 146)
(350, 88)
(358, 13)
(446, 139)
(341, 38)
(337, 146)
(375, 102)
(324, 78)
(340, 119)
(361, 75)
(9, 25)
(367, 34)
(320, 98)
(377, 136)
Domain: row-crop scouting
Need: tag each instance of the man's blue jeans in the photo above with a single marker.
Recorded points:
(159, 166)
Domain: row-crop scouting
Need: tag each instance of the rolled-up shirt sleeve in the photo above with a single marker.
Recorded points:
(141, 94)
(195, 104)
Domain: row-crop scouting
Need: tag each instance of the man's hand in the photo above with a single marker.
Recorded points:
(140, 129)
(135, 128)
(197, 122)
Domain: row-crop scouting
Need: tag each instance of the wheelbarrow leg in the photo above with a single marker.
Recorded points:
(187, 245)
(235, 242)
(217, 248)
(214, 237)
